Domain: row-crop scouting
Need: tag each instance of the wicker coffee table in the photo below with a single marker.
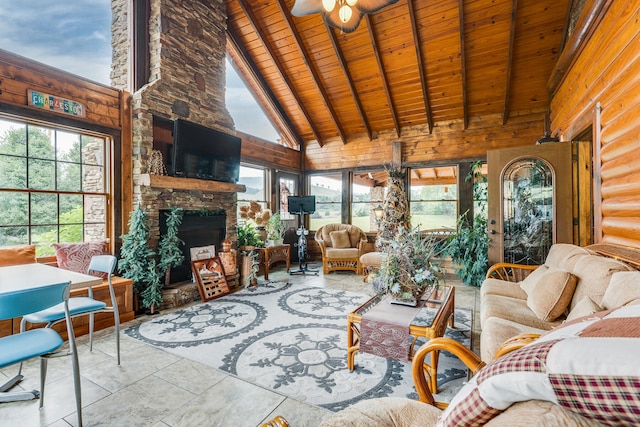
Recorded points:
(431, 322)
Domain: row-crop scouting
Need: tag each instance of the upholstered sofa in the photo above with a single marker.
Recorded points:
(574, 281)
(341, 246)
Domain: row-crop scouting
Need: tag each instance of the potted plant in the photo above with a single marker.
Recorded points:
(275, 230)
(248, 238)
(468, 247)
(407, 271)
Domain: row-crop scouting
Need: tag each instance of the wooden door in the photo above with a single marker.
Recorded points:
(530, 201)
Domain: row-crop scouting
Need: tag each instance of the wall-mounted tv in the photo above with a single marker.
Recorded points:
(204, 153)
(301, 204)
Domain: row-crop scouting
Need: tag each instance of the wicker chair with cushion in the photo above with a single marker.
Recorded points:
(341, 246)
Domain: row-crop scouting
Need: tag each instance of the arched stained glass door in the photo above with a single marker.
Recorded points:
(527, 201)
(530, 201)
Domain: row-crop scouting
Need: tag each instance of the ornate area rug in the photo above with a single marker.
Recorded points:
(292, 339)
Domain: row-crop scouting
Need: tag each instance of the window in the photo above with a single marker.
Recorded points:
(254, 179)
(367, 193)
(54, 186)
(434, 198)
(288, 187)
(328, 192)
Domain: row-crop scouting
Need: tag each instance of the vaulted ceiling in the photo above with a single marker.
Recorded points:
(416, 62)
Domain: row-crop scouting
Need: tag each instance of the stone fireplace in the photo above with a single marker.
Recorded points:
(187, 48)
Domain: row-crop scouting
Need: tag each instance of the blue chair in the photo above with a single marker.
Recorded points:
(81, 306)
(42, 342)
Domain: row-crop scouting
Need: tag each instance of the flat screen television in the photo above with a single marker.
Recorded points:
(204, 153)
(301, 204)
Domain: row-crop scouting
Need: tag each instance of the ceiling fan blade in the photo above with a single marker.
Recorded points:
(371, 6)
(307, 7)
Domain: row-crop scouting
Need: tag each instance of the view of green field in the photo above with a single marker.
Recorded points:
(426, 222)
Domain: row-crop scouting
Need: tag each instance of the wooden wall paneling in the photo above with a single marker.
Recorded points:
(265, 153)
(126, 166)
(20, 74)
(582, 194)
(449, 141)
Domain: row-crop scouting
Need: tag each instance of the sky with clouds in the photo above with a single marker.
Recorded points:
(75, 36)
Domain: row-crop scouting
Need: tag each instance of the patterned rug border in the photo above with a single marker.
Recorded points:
(252, 334)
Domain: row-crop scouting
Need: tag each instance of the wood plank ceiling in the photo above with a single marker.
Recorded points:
(415, 62)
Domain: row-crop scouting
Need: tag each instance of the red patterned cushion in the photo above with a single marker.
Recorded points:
(77, 256)
(588, 366)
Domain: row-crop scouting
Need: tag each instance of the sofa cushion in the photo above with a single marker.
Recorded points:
(594, 273)
(340, 239)
(355, 233)
(573, 365)
(551, 294)
(564, 255)
(540, 413)
(532, 279)
(15, 255)
(513, 309)
(496, 331)
(622, 290)
(351, 253)
(501, 287)
(585, 307)
(384, 412)
(77, 256)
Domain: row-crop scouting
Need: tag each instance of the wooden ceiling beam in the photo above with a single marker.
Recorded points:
(423, 77)
(278, 65)
(347, 73)
(239, 54)
(512, 38)
(383, 74)
(314, 74)
(463, 66)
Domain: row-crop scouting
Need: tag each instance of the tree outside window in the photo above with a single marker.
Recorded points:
(52, 186)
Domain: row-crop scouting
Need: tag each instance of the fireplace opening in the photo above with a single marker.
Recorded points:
(196, 230)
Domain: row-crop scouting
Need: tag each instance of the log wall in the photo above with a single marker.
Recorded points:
(450, 141)
(601, 90)
(258, 151)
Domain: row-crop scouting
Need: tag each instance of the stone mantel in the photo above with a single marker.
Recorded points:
(170, 182)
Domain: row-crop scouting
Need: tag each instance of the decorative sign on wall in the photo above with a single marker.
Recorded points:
(55, 103)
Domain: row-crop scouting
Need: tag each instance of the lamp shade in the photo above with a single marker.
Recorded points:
(378, 211)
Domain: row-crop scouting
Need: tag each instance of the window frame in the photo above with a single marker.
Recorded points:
(111, 181)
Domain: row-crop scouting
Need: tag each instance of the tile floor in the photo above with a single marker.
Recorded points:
(158, 389)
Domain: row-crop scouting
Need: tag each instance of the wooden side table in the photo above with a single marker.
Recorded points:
(272, 254)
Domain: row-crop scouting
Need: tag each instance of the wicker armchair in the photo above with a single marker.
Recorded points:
(341, 246)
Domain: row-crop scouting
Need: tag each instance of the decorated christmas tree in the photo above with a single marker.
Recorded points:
(395, 209)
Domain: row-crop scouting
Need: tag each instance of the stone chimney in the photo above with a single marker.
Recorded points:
(187, 80)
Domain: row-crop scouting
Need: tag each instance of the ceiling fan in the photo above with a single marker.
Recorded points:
(344, 15)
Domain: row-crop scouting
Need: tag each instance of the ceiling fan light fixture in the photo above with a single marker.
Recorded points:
(352, 2)
(328, 5)
(345, 13)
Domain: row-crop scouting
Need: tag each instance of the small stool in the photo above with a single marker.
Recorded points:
(369, 262)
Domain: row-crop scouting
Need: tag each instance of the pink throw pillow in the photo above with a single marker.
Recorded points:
(77, 256)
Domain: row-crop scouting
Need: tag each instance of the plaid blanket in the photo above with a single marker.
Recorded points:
(589, 366)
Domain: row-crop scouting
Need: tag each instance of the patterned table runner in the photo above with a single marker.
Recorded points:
(384, 330)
